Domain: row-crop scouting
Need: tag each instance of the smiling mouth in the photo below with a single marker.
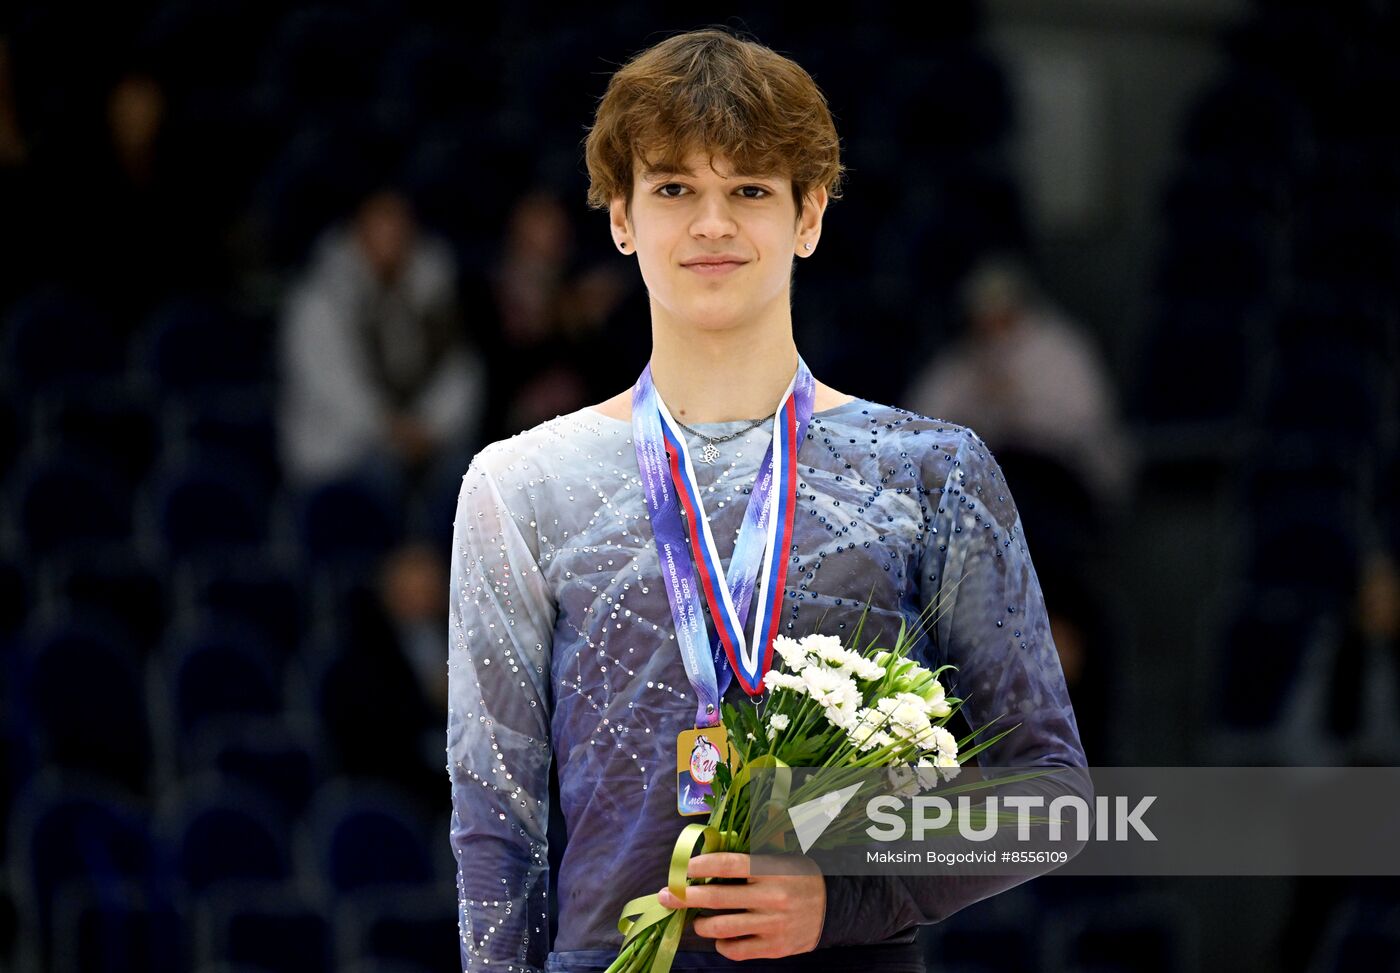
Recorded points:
(713, 270)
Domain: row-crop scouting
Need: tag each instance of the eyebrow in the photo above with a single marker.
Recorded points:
(651, 175)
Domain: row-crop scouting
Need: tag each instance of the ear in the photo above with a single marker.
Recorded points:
(621, 225)
(809, 224)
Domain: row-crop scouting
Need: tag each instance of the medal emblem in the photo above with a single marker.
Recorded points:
(699, 752)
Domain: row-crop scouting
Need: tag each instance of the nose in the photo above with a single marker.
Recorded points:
(713, 218)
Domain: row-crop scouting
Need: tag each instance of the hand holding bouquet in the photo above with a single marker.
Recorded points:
(832, 707)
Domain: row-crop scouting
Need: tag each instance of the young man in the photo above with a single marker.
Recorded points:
(716, 159)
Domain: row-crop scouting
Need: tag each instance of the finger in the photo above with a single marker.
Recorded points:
(745, 947)
(719, 864)
(729, 925)
(713, 897)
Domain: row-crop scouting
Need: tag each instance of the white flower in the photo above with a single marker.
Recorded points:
(841, 659)
(946, 743)
(905, 713)
(778, 721)
(794, 653)
(874, 739)
(777, 679)
(904, 781)
(826, 686)
(845, 715)
(867, 670)
(934, 703)
(928, 773)
(819, 646)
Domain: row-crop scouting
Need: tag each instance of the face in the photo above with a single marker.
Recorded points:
(678, 219)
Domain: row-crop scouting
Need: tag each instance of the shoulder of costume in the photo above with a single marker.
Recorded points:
(546, 445)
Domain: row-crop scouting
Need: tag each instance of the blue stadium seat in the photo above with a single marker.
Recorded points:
(207, 507)
(16, 592)
(1329, 521)
(191, 347)
(363, 835)
(218, 668)
(272, 928)
(118, 927)
(239, 425)
(325, 58)
(67, 828)
(417, 928)
(441, 171)
(1324, 386)
(116, 427)
(428, 76)
(118, 585)
(281, 758)
(68, 503)
(219, 831)
(9, 916)
(1215, 344)
(84, 696)
(56, 339)
(260, 590)
(1261, 648)
(317, 179)
(13, 432)
(347, 522)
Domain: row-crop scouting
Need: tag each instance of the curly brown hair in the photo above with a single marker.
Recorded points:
(713, 91)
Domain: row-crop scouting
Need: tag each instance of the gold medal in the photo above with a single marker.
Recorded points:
(699, 752)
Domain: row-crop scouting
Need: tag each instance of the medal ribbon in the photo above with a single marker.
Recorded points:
(761, 550)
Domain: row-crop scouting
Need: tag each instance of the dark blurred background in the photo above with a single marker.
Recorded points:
(272, 272)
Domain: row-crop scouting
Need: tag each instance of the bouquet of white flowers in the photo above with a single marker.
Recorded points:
(832, 707)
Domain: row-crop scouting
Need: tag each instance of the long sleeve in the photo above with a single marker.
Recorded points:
(498, 728)
(994, 627)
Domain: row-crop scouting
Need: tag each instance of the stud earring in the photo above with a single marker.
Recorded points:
(622, 245)
(807, 245)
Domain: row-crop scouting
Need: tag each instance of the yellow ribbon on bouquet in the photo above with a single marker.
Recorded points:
(645, 911)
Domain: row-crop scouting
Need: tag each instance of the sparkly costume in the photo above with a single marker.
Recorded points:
(559, 646)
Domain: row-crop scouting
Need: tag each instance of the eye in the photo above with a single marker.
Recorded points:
(661, 190)
(759, 188)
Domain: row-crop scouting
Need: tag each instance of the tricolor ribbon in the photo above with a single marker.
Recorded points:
(761, 551)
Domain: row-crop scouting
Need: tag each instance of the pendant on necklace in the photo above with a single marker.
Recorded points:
(710, 453)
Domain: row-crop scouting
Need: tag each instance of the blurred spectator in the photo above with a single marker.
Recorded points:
(384, 694)
(551, 353)
(1365, 681)
(376, 367)
(413, 586)
(13, 149)
(1028, 380)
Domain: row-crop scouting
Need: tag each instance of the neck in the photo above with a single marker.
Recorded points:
(722, 376)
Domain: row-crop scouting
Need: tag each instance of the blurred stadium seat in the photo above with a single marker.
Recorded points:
(96, 723)
(219, 831)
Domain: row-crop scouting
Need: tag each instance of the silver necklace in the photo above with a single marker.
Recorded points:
(711, 452)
